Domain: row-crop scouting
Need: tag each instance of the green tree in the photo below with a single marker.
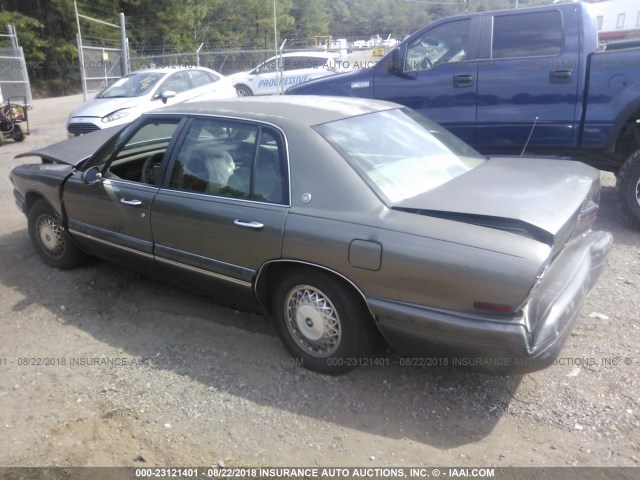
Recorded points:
(311, 19)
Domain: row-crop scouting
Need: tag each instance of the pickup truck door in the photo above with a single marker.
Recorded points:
(438, 77)
(529, 68)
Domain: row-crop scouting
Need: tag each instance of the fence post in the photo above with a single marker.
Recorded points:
(83, 75)
(26, 76)
(13, 39)
(125, 46)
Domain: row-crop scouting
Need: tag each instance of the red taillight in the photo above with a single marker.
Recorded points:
(492, 307)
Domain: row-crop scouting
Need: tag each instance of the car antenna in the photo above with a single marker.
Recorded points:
(528, 139)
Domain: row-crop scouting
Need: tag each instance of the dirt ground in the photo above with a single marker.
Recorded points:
(101, 366)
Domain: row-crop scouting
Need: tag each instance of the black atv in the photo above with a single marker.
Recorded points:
(14, 119)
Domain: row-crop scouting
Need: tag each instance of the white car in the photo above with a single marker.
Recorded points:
(286, 70)
(360, 44)
(146, 90)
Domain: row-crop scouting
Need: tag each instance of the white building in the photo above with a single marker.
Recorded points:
(618, 20)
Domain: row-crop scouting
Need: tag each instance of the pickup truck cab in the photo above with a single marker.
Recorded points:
(517, 80)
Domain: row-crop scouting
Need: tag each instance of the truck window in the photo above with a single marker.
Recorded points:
(527, 35)
(446, 43)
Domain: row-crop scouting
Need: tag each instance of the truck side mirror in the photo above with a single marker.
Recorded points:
(396, 61)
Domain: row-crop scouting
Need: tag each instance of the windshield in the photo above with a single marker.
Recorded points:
(399, 153)
(134, 85)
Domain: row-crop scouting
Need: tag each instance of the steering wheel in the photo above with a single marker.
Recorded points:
(148, 169)
(426, 64)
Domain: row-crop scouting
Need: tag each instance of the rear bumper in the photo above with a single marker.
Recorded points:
(520, 344)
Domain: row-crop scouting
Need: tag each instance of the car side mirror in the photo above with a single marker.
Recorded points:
(166, 95)
(92, 176)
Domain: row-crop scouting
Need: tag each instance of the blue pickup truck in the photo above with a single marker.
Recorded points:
(510, 81)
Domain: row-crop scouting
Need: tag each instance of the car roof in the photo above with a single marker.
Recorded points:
(309, 54)
(295, 109)
(165, 70)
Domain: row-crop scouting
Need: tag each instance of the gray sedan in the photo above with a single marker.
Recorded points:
(341, 218)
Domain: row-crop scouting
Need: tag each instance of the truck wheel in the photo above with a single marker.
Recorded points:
(628, 187)
(322, 322)
(244, 91)
(49, 239)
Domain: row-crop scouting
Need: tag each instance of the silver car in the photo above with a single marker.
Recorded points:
(146, 90)
(340, 218)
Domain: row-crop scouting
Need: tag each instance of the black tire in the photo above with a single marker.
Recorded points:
(331, 341)
(244, 91)
(18, 135)
(628, 187)
(49, 239)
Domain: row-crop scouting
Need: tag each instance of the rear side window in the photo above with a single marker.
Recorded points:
(531, 35)
(200, 78)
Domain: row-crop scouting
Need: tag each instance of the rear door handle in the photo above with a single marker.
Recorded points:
(252, 225)
(461, 81)
(135, 203)
(560, 76)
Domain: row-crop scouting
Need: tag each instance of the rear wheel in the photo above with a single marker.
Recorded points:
(244, 91)
(49, 239)
(628, 187)
(322, 322)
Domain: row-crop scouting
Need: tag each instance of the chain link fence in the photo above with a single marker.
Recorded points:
(14, 79)
(225, 62)
(102, 67)
(232, 61)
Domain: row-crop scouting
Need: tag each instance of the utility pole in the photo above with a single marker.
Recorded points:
(80, 53)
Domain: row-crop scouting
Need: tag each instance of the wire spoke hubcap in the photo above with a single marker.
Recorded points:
(313, 321)
(51, 236)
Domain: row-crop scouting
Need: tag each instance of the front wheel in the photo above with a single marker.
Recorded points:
(628, 187)
(49, 239)
(18, 134)
(244, 91)
(322, 322)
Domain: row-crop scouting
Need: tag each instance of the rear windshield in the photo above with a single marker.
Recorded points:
(399, 153)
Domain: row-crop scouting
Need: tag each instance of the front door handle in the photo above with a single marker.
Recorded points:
(560, 76)
(252, 225)
(135, 203)
(460, 81)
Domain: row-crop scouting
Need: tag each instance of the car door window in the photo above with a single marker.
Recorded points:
(446, 43)
(231, 159)
(139, 159)
(178, 82)
(299, 63)
(268, 179)
(270, 66)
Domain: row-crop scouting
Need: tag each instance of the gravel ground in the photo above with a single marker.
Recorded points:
(142, 373)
